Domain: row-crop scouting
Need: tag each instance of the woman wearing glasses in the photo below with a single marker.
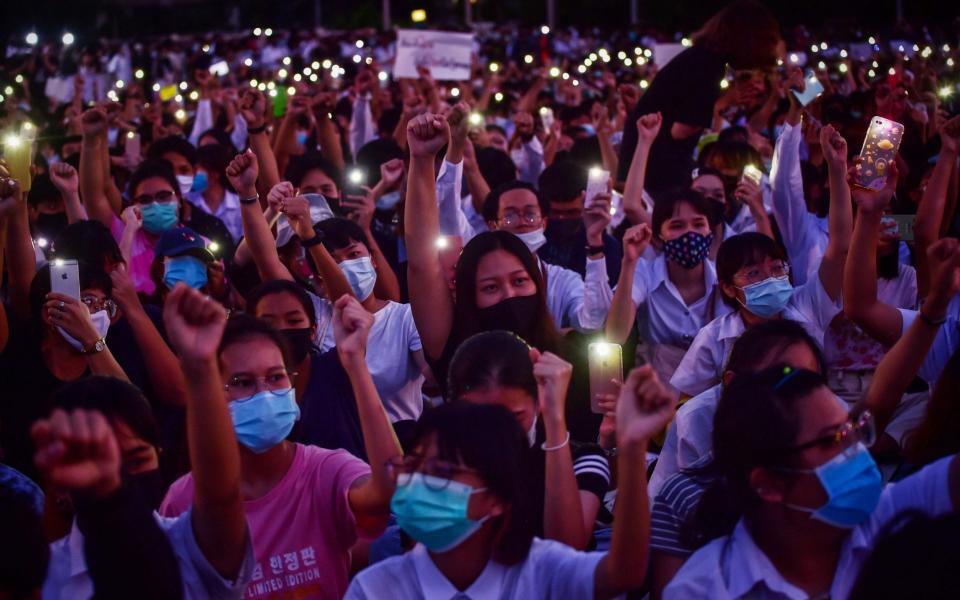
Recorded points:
(305, 505)
(462, 494)
(802, 497)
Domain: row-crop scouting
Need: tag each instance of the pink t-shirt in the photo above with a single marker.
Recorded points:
(141, 256)
(302, 530)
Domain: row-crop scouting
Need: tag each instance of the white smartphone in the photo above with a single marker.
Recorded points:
(547, 118)
(65, 278)
(220, 68)
(597, 180)
(131, 147)
(605, 362)
(752, 173)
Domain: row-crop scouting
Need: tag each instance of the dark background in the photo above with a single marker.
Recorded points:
(88, 18)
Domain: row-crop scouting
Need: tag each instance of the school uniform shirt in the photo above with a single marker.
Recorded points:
(69, 579)
(550, 570)
(575, 301)
(689, 439)
(302, 529)
(662, 315)
(702, 365)
(391, 344)
(742, 223)
(944, 345)
(228, 211)
(735, 567)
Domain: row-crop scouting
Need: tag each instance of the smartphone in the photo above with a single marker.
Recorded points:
(65, 278)
(546, 118)
(220, 68)
(904, 226)
(280, 101)
(597, 180)
(606, 372)
(168, 92)
(811, 91)
(878, 152)
(131, 147)
(752, 173)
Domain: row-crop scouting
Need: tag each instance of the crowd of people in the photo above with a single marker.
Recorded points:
(334, 331)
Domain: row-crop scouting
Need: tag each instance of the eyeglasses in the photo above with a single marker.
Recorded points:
(247, 385)
(756, 273)
(161, 196)
(858, 429)
(441, 471)
(96, 304)
(511, 218)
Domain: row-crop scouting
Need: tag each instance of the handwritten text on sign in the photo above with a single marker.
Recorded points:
(446, 54)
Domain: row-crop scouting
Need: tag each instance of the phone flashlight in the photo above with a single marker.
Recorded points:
(475, 119)
(42, 242)
(213, 247)
(442, 243)
(355, 176)
(58, 262)
(602, 349)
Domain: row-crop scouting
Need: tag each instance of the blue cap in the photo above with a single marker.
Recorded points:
(181, 241)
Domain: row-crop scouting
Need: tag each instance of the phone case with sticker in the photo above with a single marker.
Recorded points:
(879, 151)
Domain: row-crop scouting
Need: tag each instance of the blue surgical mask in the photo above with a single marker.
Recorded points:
(159, 216)
(388, 200)
(853, 485)
(433, 510)
(264, 419)
(302, 138)
(188, 269)
(361, 275)
(589, 129)
(767, 298)
(200, 182)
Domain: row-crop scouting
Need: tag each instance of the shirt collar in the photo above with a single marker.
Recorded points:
(747, 566)
(435, 585)
(661, 275)
(730, 326)
(74, 546)
(231, 201)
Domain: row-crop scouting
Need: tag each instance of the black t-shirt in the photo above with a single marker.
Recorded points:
(685, 92)
(328, 410)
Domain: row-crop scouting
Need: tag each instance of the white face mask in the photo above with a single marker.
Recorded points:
(361, 275)
(101, 322)
(532, 432)
(533, 239)
(185, 182)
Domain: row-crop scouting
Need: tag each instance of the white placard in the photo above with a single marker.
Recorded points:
(445, 53)
(664, 53)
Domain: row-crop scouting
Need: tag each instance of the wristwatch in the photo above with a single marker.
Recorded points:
(316, 240)
(591, 250)
(99, 346)
(250, 199)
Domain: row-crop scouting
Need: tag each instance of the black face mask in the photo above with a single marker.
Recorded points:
(50, 225)
(299, 341)
(148, 486)
(517, 315)
(563, 229)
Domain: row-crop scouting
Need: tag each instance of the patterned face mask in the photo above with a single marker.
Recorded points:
(689, 249)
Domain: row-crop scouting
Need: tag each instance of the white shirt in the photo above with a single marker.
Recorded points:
(228, 211)
(453, 220)
(702, 365)
(689, 438)
(742, 223)
(392, 341)
(68, 578)
(944, 345)
(662, 315)
(575, 302)
(551, 570)
(734, 567)
(804, 234)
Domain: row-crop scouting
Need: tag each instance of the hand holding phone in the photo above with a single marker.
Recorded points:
(65, 278)
(879, 152)
(606, 372)
(753, 174)
(597, 181)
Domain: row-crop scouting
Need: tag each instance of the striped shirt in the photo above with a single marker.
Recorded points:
(672, 508)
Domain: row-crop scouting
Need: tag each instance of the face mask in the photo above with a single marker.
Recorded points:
(299, 341)
(200, 182)
(563, 229)
(188, 269)
(532, 432)
(388, 200)
(434, 510)
(853, 485)
(361, 275)
(533, 239)
(589, 130)
(768, 297)
(159, 216)
(689, 249)
(49, 225)
(185, 182)
(148, 486)
(513, 314)
(101, 322)
(264, 419)
(302, 138)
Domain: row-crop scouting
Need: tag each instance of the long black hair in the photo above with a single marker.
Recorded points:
(487, 438)
(492, 358)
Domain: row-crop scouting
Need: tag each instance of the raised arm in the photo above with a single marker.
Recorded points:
(253, 107)
(860, 303)
(476, 184)
(644, 408)
(430, 299)
(361, 209)
(327, 132)
(623, 311)
(841, 212)
(18, 247)
(242, 173)
(932, 208)
(67, 181)
(297, 210)
(163, 368)
(601, 124)
(648, 127)
(195, 325)
(93, 123)
(369, 498)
